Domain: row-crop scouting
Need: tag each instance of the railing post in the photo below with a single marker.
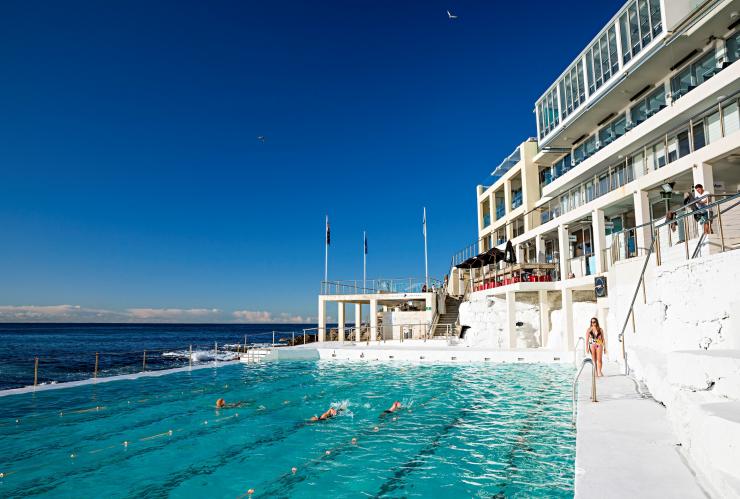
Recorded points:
(143, 362)
(292, 338)
(273, 338)
(95, 372)
(304, 335)
(35, 371)
(721, 230)
(686, 235)
(190, 357)
(593, 383)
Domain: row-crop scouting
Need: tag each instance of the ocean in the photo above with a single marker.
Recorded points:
(66, 352)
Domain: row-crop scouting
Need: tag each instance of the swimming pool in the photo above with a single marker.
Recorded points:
(465, 431)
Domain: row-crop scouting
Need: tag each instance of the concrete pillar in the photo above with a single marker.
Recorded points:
(642, 216)
(322, 319)
(704, 175)
(340, 319)
(519, 252)
(358, 320)
(539, 248)
(507, 197)
(544, 318)
(480, 215)
(373, 318)
(599, 236)
(492, 207)
(564, 251)
(511, 319)
(567, 318)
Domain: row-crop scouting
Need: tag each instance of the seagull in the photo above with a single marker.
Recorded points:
(451, 16)
(261, 138)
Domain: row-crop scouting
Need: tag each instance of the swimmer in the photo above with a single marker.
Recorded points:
(393, 408)
(221, 404)
(330, 413)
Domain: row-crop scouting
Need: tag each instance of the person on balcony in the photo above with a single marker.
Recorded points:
(703, 199)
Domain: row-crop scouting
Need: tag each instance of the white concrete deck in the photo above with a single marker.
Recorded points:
(625, 446)
(416, 351)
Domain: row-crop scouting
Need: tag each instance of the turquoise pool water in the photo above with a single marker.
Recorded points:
(465, 431)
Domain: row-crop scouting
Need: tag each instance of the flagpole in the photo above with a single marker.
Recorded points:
(364, 261)
(426, 260)
(326, 252)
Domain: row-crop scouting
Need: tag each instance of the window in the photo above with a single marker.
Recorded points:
(678, 146)
(645, 28)
(645, 108)
(625, 38)
(613, 130)
(589, 191)
(618, 176)
(548, 113)
(698, 132)
(694, 74)
(733, 47)
(638, 164)
(602, 60)
(603, 183)
(655, 18)
(658, 155)
(730, 118)
(714, 129)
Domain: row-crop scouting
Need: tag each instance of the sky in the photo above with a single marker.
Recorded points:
(133, 187)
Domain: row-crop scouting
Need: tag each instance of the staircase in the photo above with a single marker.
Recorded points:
(452, 306)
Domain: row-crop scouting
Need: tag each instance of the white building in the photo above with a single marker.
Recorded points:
(645, 112)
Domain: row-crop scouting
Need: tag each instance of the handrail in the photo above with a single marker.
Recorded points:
(655, 234)
(593, 383)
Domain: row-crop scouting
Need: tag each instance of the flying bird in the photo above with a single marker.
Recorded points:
(451, 16)
(261, 138)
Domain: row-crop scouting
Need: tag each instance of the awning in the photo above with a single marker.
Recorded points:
(488, 258)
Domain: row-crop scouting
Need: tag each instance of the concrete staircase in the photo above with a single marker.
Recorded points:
(452, 306)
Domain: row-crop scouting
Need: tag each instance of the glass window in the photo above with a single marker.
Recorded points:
(613, 57)
(733, 47)
(682, 83)
(655, 19)
(589, 191)
(659, 158)
(564, 203)
(714, 129)
(705, 67)
(597, 65)
(645, 28)
(638, 112)
(606, 69)
(590, 73)
(625, 38)
(698, 132)
(634, 29)
(638, 164)
(603, 183)
(581, 88)
(678, 146)
(730, 118)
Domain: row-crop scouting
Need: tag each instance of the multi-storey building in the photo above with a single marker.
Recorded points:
(645, 112)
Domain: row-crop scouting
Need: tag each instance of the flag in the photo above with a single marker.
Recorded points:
(365, 236)
(328, 232)
(424, 222)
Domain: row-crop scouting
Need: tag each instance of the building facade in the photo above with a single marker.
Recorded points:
(645, 112)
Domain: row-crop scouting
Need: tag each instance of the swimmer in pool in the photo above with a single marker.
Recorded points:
(221, 404)
(393, 408)
(330, 413)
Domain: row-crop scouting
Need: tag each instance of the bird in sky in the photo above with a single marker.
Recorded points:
(451, 16)
(261, 138)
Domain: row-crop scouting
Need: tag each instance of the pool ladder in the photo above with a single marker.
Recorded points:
(593, 383)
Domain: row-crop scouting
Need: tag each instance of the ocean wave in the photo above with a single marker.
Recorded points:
(201, 355)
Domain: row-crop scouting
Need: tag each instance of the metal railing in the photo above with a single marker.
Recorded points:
(380, 333)
(593, 383)
(377, 286)
(652, 155)
(727, 240)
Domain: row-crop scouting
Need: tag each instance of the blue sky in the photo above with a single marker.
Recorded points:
(132, 184)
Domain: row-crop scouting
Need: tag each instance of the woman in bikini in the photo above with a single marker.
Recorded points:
(595, 344)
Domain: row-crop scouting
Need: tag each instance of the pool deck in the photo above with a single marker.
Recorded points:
(624, 444)
(417, 351)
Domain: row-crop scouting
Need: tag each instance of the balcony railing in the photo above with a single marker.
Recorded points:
(503, 167)
(713, 123)
(380, 286)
